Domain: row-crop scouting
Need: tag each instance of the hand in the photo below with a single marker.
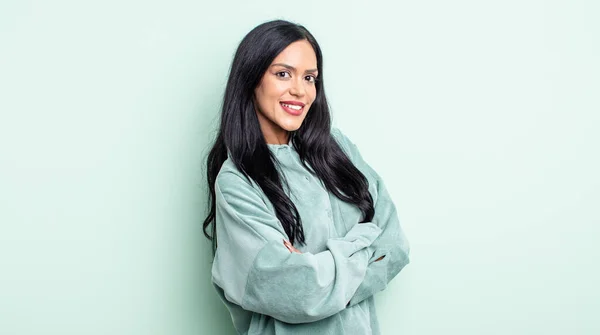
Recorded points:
(291, 247)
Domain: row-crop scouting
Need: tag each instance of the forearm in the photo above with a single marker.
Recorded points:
(393, 246)
(298, 288)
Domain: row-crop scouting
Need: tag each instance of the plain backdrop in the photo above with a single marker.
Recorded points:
(482, 117)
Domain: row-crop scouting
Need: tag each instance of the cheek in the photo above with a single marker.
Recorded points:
(278, 89)
(266, 94)
(313, 94)
(270, 86)
(266, 87)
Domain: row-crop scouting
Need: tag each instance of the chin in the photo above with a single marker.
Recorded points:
(292, 126)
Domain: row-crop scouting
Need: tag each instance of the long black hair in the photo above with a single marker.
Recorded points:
(240, 134)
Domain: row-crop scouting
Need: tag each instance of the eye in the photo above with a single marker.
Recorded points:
(310, 78)
(283, 74)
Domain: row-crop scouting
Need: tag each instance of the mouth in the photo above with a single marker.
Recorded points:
(292, 107)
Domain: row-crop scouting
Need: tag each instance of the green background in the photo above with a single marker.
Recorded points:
(482, 117)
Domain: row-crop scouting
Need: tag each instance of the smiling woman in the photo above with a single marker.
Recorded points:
(304, 231)
(287, 91)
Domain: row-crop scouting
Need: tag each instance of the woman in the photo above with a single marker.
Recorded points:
(303, 229)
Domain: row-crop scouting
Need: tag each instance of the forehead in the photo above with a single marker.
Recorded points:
(299, 54)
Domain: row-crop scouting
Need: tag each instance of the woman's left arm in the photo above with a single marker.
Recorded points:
(391, 244)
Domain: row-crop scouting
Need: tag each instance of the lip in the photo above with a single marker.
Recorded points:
(292, 111)
(291, 102)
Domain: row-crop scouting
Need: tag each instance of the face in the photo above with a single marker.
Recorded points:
(286, 91)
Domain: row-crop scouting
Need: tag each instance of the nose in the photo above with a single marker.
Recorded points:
(297, 87)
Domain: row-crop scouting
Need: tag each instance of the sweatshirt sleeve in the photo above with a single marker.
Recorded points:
(257, 272)
(391, 243)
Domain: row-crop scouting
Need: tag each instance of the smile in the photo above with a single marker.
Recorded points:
(293, 107)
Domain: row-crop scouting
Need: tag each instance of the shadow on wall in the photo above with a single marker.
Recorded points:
(205, 313)
(213, 317)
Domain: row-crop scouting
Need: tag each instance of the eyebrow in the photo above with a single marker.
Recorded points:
(289, 67)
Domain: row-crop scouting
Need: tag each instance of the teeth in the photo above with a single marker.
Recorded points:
(294, 107)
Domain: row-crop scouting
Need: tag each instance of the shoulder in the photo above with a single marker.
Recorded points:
(233, 188)
(228, 173)
(354, 154)
(242, 197)
(345, 143)
(230, 180)
(338, 135)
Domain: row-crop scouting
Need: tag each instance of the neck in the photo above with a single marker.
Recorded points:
(282, 138)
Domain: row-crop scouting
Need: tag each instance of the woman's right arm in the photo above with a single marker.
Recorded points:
(259, 273)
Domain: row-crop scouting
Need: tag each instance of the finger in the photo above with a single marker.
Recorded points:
(287, 245)
(295, 250)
